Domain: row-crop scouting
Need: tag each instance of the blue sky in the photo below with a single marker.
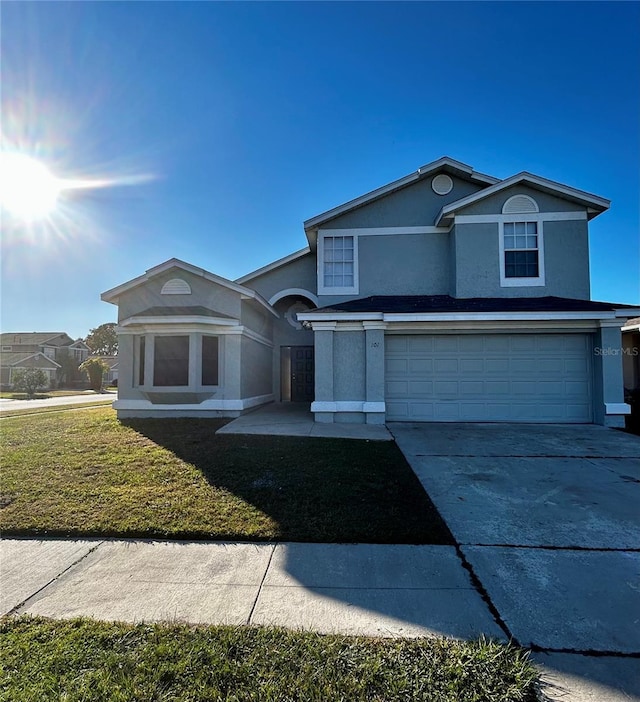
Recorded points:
(253, 117)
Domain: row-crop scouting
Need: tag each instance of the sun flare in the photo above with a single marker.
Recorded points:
(28, 189)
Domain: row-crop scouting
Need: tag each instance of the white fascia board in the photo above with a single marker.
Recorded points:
(491, 316)
(423, 171)
(185, 319)
(113, 294)
(629, 313)
(338, 316)
(631, 328)
(600, 204)
(272, 266)
(454, 165)
(385, 231)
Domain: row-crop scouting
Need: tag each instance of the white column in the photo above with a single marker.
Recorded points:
(374, 407)
(324, 402)
(610, 406)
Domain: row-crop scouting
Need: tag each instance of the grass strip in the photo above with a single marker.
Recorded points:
(85, 660)
(84, 473)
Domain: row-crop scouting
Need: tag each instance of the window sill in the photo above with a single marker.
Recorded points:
(521, 282)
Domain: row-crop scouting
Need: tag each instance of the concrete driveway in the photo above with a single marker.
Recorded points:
(547, 517)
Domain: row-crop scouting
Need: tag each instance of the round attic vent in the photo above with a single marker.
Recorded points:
(442, 184)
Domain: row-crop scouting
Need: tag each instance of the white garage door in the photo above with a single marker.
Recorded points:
(488, 378)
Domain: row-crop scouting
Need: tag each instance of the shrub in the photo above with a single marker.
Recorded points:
(30, 380)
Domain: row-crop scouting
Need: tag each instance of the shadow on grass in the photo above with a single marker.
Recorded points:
(320, 490)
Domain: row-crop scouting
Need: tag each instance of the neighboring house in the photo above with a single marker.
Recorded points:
(447, 295)
(44, 350)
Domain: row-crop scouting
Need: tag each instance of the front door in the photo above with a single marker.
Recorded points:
(302, 374)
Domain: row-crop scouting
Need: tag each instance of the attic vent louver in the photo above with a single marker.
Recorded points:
(520, 204)
(442, 184)
(176, 286)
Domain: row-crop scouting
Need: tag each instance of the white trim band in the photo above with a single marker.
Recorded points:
(215, 405)
(617, 408)
(349, 406)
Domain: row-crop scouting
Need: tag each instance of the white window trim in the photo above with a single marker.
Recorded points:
(194, 368)
(522, 282)
(322, 289)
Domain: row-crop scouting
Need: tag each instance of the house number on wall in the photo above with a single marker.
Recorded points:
(375, 344)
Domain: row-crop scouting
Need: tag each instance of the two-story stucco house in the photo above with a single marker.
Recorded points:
(43, 350)
(447, 295)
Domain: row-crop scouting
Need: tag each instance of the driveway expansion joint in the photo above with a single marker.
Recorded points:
(534, 648)
(264, 577)
(20, 605)
(549, 547)
(477, 583)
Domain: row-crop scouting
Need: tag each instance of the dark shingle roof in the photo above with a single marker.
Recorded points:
(403, 304)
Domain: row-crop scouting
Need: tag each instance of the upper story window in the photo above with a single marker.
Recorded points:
(521, 245)
(521, 253)
(338, 265)
(521, 250)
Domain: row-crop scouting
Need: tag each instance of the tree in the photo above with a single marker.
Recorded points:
(95, 368)
(29, 380)
(103, 340)
(68, 371)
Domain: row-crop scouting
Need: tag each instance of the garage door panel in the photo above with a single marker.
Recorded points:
(472, 387)
(491, 377)
(471, 365)
(420, 344)
(496, 365)
(421, 365)
(496, 343)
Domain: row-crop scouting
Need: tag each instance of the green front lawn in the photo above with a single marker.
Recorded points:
(88, 661)
(84, 473)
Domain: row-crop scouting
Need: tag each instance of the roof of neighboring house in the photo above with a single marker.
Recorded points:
(405, 304)
(35, 338)
(15, 359)
(111, 361)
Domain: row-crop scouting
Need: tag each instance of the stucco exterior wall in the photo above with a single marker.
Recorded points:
(477, 261)
(609, 389)
(256, 369)
(349, 366)
(413, 206)
(255, 317)
(203, 292)
(300, 273)
(546, 202)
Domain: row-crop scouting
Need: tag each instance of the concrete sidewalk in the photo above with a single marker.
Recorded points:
(355, 589)
(295, 419)
(7, 406)
(376, 590)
